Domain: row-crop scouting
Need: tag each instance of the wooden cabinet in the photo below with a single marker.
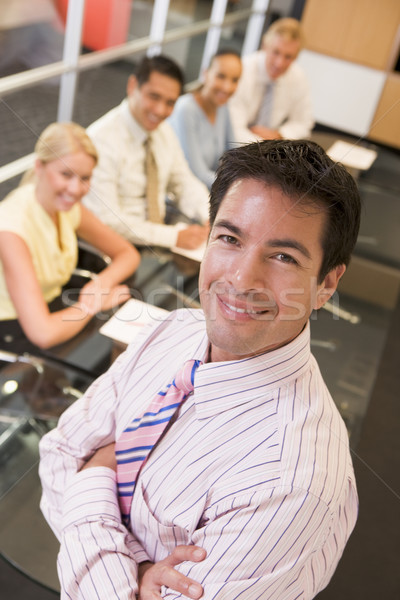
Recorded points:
(385, 127)
(361, 31)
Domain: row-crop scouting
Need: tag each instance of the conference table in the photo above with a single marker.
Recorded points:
(347, 347)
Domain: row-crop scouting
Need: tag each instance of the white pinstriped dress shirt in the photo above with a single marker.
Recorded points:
(256, 470)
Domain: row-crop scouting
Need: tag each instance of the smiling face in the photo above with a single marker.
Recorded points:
(154, 100)
(64, 181)
(258, 279)
(280, 52)
(221, 78)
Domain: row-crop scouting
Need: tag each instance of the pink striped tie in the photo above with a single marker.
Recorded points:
(138, 439)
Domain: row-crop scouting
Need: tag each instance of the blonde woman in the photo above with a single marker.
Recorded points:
(201, 118)
(39, 225)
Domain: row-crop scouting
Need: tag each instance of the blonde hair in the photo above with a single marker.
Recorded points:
(286, 27)
(58, 140)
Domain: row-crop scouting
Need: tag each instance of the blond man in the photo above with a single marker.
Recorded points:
(273, 99)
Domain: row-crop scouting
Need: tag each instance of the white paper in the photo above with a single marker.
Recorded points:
(351, 155)
(196, 254)
(127, 322)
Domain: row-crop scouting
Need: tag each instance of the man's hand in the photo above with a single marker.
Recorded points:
(103, 457)
(265, 133)
(192, 237)
(153, 576)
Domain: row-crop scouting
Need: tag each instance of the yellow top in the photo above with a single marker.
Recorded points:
(53, 260)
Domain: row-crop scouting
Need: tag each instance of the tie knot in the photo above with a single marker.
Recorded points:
(184, 379)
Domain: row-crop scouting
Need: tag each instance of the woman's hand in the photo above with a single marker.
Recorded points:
(93, 298)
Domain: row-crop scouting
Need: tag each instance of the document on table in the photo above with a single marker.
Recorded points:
(351, 155)
(127, 322)
(196, 254)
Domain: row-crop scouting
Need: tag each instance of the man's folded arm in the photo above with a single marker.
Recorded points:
(98, 555)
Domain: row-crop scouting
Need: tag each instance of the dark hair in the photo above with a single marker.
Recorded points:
(162, 64)
(304, 173)
(225, 52)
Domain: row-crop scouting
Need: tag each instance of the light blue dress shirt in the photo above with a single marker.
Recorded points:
(202, 142)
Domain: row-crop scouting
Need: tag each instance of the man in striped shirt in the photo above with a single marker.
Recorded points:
(251, 492)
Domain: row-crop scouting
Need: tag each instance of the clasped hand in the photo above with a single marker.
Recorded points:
(192, 236)
(153, 576)
(265, 132)
(94, 298)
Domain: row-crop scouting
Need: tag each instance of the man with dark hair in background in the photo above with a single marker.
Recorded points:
(120, 194)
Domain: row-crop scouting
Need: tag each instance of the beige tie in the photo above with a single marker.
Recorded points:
(153, 208)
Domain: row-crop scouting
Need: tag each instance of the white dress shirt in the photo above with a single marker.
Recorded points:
(118, 186)
(256, 470)
(291, 112)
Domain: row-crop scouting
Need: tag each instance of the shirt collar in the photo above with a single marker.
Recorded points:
(225, 385)
(133, 126)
